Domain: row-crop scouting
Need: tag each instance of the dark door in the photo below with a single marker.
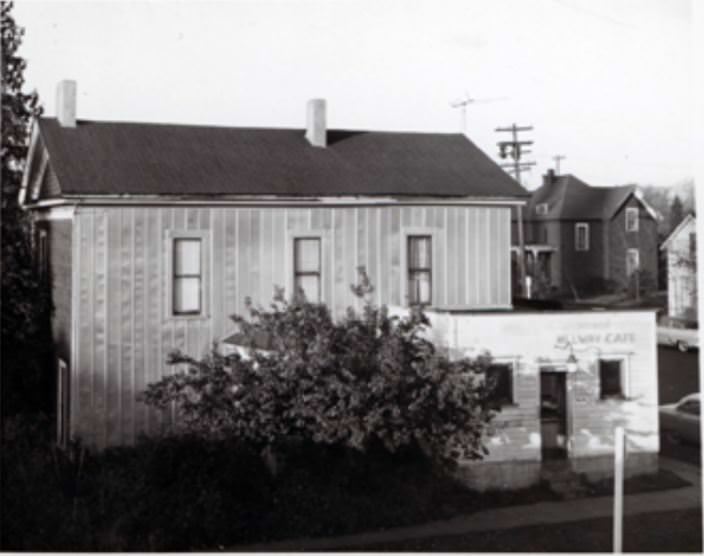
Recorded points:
(553, 414)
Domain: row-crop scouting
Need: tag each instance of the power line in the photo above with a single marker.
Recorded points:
(515, 149)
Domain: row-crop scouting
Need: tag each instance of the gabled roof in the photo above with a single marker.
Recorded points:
(674, 233)
(569, 198)
(108, 158)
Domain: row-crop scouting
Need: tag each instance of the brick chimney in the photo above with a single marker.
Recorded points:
(316, 129)
(66, 103)
(549, 178)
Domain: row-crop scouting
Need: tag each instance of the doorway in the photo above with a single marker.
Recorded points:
(553, 414)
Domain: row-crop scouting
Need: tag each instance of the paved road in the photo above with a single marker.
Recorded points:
(678, 376)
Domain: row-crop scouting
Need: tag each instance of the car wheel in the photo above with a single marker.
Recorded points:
(682, 346)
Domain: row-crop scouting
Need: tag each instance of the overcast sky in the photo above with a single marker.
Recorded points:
(605, 82)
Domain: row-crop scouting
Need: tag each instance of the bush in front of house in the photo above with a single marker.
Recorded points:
(186, 492)
(370, 379)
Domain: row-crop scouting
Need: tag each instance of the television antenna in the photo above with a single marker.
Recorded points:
(466, 100)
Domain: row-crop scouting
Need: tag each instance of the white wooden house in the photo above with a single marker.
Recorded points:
(152, 235)
(681, 248)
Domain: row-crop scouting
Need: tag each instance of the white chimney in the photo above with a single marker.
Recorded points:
(316, 129)
(66, 103)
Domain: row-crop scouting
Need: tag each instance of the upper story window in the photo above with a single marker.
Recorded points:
(692, 246)
(187, 276)
(632, 219)
(420, 270)
(307, 268)
(541, 209)
(632, 261)
(581, 236)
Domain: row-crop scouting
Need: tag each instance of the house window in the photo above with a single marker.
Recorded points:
(692, 246)
(62, 401)
(611, 378)
(187, 276)
(541, 209)
(581, 237)
(632, 261)
(419, 270)
(632, 219)
(500, 380)
(306, 267)
(43, 254)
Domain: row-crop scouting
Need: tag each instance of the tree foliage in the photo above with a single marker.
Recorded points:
(24, 299)
(368, 380)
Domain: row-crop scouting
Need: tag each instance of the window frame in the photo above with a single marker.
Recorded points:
(318, 274)
(692, 246)
(172, 236)
(509, 362)
(623, 377)
(581, 226)
(631, 271)
(63, 401)
(411, 271)
(635, 221)
(541, 209)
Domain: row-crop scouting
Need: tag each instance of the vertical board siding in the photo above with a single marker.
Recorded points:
(124, 333)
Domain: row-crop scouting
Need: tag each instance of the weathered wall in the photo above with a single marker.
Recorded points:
(123, 333)
(682, 275)
(532, 341)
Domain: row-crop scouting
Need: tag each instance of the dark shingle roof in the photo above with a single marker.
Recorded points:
(97, 158)
(569, 198)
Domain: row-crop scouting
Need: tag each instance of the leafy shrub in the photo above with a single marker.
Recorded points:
(367, 380)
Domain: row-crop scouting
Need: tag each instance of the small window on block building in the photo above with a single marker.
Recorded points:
(611, 378)
(499, 377)
(419, 270)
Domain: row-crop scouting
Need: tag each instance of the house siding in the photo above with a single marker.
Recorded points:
(681, 277)
(124, 333)
(582, 270)
(645, 240)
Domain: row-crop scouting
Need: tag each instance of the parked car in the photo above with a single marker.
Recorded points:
(681, 420)
(683, 336)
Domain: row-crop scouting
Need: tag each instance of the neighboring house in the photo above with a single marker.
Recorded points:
(152, 235)
(681, 248)
(584, 240)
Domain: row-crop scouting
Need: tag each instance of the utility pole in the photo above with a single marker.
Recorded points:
(557, 159)
(516, 149)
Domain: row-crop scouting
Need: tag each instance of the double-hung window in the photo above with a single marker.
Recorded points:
(632, 219)
(420, 278)
(307, 267)
(187, 276)
(581, 236)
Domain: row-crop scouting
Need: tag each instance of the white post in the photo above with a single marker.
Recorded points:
(619, 442)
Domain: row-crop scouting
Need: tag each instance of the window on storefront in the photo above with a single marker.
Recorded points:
(611, 378)
(500, 380)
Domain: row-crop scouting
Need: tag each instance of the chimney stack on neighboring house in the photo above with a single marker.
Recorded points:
(316, 129)
(66, 103)
(550, 177)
